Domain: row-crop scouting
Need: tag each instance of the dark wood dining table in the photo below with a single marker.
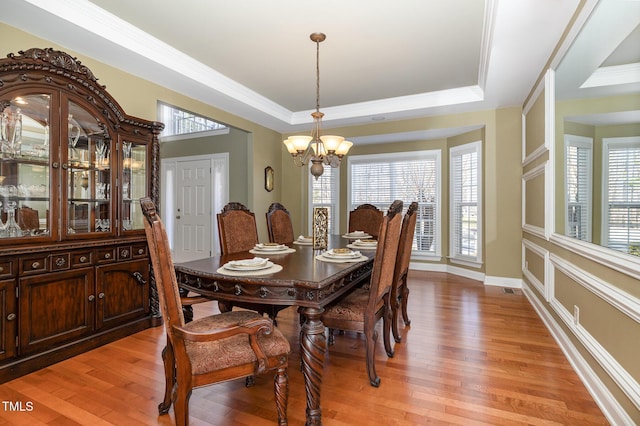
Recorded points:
(303, 281)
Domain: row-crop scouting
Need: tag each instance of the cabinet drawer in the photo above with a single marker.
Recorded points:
(34, 265)
(81, 259)
(124, 253)
(7, 268)
(60, 261)
(105, 255)
(139, 251)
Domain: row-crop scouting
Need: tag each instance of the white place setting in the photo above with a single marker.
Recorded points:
(341, 255)
(304, 240)
(271, 248)
(356, 235)
(249, 267)
(365, 244)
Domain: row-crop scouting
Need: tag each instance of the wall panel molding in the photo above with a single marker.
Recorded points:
(541, 286)
(610, 407)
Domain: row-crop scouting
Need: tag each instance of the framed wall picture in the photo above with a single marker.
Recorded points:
(268, 178)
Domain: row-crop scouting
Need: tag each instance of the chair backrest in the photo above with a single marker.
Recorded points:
(279, 224)
(165, 275)
(386, 252)
(237, 228)
(406, 242)
(367, 218)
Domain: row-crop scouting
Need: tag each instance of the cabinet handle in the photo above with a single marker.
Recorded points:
(55, 164)
(11, 317)
(92, 298)
(65, 166)
(138, 277)
(83, 259)
(60, 261)
(35, 265)
(124, 253)
(100, 295)
(1, 269)
(140, 251)
(107, 255)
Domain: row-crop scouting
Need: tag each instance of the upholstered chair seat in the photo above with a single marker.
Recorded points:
(351, 308)
(234, 350)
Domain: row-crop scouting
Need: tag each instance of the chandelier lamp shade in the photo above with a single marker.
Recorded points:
(318, 149)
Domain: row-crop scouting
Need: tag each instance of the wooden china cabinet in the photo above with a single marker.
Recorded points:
(74, 262)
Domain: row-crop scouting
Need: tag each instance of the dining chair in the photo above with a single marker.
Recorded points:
(399, 289)
(279, 225)
(238, 232)
(237, 228)
(214, 348)
(361, 309)
(367, 218)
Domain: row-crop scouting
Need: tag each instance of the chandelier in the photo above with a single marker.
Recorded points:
(317, 149)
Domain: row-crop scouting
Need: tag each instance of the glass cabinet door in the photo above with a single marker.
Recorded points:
(89, 176)
(25, 179)
(134, 184)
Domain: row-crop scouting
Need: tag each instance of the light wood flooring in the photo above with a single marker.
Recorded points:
(473, 355)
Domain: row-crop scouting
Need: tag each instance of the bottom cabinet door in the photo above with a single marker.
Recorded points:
(8, 319)
(56, 308)
(123, 292)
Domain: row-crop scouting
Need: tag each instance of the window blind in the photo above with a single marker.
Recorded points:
(325, 193)
(623, 195)
(409, 176)
(464, 202)
(578, 171)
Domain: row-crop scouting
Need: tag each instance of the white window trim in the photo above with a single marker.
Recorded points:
(453, 258)
(408, 156)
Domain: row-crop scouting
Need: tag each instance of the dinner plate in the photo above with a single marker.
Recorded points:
(254, 264)
(270, 247)
(338, 255)
(359, 236)
(365, 243)
(305, 240)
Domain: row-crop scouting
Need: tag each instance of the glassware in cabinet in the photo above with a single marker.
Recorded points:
(25, 177)
(134, 184)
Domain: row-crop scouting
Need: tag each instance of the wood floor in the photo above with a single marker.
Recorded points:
(473, 355)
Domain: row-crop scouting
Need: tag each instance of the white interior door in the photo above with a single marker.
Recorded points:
(194, 188)
(193, 210)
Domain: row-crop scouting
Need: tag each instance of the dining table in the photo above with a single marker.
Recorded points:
(298, 276)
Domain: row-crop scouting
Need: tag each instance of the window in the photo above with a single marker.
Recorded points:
(622, 193)
(179, 122)
(325, 192)
(408, 176)
(578, 171)
(465, 193)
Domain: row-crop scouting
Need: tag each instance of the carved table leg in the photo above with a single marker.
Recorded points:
(313, 346)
